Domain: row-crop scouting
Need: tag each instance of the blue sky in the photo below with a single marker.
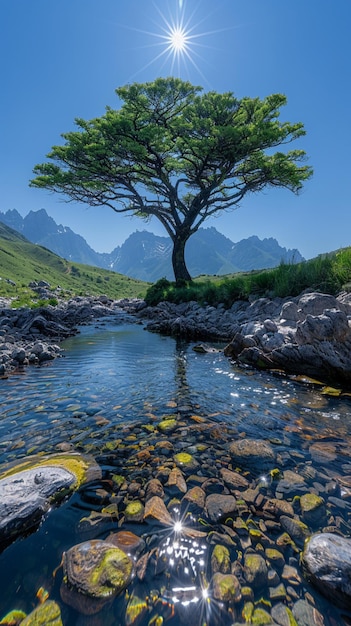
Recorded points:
(64, 59)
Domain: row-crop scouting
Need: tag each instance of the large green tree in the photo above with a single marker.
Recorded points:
(178, 154)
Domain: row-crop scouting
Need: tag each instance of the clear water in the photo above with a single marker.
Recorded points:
(115, 376)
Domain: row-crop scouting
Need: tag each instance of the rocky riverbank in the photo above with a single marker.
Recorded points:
(31, 336)
(308, 335)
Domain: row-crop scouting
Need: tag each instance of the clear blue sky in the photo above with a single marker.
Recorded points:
(63, 59)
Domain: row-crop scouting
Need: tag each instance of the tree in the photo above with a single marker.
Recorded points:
(176, 153)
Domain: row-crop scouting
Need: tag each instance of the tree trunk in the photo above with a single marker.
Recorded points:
(178, 257)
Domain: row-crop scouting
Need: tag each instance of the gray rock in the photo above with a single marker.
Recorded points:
(307, 615)
(252, 453)
(327, 563)
(219, 506)
(24, 497)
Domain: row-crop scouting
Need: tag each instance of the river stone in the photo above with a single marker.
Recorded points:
(134, 511)
(94, 572)
(226, 587)
(278, 507)
(186, 461)
(195, 499)
(219, 506)
(176, 482)
(25, 497)
(313, 509)
(233, 480)
(282, 615)
(47, 614)
(252, 453)
(220, 559)
(155, 510)
(127, 541)
(306, 615)
(255, 570)
(327, 563)
(154, 488)
(297, 530)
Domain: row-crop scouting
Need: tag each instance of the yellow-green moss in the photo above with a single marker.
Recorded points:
(13, 617)
(112, 573)
(76, 464)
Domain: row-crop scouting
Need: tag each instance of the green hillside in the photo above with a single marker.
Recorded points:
(22, 262)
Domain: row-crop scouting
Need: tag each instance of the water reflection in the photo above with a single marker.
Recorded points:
(107, 396)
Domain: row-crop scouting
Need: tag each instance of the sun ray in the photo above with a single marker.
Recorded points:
(180, 38)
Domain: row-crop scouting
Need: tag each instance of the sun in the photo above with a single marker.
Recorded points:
(178, 39)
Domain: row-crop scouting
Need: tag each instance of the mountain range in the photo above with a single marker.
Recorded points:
(147, 256)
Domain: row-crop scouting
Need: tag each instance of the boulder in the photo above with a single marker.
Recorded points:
(28, 489)
(327, 563)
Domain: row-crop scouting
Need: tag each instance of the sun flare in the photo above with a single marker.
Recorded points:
(180, 42)
(178, 39)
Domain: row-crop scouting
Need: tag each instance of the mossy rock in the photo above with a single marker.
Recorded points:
(47, 614)
(186, 461)
(94, 572)
(84, 468)
(220, 559)
(167, 424)
(134, 511)
(13, 618)
(28, 488)
(226, 588)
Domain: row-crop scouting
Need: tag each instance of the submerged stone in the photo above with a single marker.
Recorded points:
(186, 461)
(134, 511)
(252, 453)
(297, 530)
(127, 541)
(220, 559)
(255, 570)
(13, 618)
(226, 587)
(155, 510)
(219, 506)
(313, 509)
(94, 572)
(47, 614)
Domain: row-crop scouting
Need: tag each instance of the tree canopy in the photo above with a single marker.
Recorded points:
(176, 153)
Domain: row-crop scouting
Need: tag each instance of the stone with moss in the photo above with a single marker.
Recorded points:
(134, 511)
(28, 489)
(226, 587)
(13, 618)
(275, 557)
(255, 570)
(167, 424)
(186, 461)
(220, 559)
(313, 509)
(94, 572)
(47, 614)
(261, 618)
(297, 530)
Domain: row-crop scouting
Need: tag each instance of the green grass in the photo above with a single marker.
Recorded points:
(23, 262)
(330, 273)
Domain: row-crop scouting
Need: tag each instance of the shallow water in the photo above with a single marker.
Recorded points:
(112, 377)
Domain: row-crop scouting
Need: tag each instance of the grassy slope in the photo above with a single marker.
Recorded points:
(23, 262)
